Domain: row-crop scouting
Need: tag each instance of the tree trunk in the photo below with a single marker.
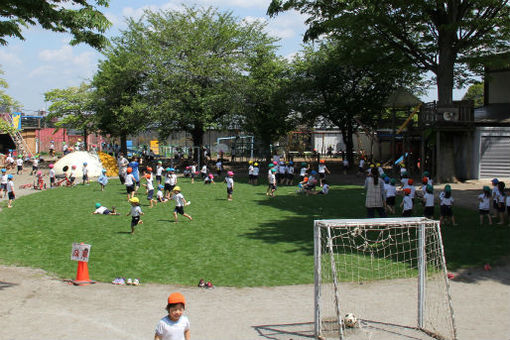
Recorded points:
(123, 144)
(197, 134)
(445, 67)
(85, 137)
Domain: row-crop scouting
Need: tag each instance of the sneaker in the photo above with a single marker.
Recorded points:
(129, 282)
(201, 283)
(136, 282)
(115, 281)
(209, 285)
(122, 281)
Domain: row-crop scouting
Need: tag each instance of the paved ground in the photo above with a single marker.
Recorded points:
(34, 305)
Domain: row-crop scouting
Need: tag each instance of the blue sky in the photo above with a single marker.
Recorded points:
(45, 60)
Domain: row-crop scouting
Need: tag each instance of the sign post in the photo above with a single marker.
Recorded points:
(81, 252)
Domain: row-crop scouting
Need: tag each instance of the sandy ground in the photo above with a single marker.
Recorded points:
(34, 305)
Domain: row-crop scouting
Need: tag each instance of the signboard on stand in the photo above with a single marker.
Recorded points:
(80, 252)
(155, 146)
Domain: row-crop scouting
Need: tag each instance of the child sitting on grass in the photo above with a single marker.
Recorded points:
(135, 213)
(102, 210)
(159, 195)
(175, 325)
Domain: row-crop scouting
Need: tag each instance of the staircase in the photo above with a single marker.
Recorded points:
(21, 145)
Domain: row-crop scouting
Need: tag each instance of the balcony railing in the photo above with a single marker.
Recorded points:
(458, 113)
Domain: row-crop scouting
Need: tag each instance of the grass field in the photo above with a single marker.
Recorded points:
(251, 241)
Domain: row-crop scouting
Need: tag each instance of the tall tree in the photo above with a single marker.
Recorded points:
(475, 93)
(267, 98)
(198, 60)
(437, 36)
(120, 97)
(81, 18)
(71, 108)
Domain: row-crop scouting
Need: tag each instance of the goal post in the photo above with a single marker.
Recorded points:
(390, 273)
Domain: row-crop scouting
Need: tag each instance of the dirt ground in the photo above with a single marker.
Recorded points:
(34, 305)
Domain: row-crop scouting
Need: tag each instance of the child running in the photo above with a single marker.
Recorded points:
(484, 204)
(271, 181)
(170, 181)
(230, 184)
(175, 325)
(135, 213)
(150, 190)
(391, 192)
(103, 180)
(129, 182)
(180, 202)
(446, 203)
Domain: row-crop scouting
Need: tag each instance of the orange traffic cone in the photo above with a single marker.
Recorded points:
(82, 275)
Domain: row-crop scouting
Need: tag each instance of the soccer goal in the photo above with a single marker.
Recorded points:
(380, 279)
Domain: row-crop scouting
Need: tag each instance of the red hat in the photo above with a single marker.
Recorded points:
(424, 180)
(407, 191)
(410, 181)
(322, 161)
(176, 298)
(129, 170)
(149, 168)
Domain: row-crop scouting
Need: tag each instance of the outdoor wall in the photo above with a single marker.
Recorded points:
(499, 87)
(31, 139)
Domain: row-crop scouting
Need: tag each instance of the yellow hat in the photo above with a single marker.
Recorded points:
(177, 188)
(250, 162)
(371, 165)
(134, 200)
(378, 164)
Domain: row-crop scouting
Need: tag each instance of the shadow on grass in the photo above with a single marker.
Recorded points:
(284, 331)
(468, 245)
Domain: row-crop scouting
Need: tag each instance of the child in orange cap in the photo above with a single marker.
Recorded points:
(407, 203)
(175, 325)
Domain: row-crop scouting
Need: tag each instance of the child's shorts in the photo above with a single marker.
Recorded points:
(52, 180)
(390, 201)
(290, 176)
(322, 175)
(428, 211)
(20, 167)
(250, 177)
(85, 177)
(150, 194)
(484, 212)
(230, 191)
(501, 208)
(169, 187)
(158, 178)
(130, 188)
(106, 212)
(446, 210)
(407, 213)
(11, 195)
(135, 220)
(179, 210)
(3, 186)
(71, 179)
(35, 168)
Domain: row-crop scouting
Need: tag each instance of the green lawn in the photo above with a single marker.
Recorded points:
(251, 241)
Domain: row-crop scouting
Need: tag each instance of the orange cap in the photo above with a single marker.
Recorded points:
(149, 168)
(407, 191)
(176, 298)
(129, 170)
(148, 176)
(322, 161)
(410, 181)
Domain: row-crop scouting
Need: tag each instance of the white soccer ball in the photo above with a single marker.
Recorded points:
(350, 320)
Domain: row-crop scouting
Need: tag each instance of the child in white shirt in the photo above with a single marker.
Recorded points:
(180, 202)
(428, 201)
(446, 203)
(484, 204)
(407, 203)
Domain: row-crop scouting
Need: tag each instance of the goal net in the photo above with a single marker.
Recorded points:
(389, 273)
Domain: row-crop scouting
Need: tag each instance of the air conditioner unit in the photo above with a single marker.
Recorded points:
(448, 113)
(450, 116)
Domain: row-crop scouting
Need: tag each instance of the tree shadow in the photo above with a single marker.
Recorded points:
(4, 285)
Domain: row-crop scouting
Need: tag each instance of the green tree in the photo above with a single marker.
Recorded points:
(80, 18)
(199, 59)
(7, 104)
(267, 98)
(347, 84)
(437, 36)
(120, 96)
(71, 107)
(475, 93)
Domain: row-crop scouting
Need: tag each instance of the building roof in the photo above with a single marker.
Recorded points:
(493, 114)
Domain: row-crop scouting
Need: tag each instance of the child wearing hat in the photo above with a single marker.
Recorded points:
(180, 202)
(129, 182)
(170, 181)
(135, 213)
(271, 182)
(103, 180)
(3, 183)
(102, 210)
(175, 325)
(10, 190)
(391, 193)
(85, 172)
(446, 203)
(428, 201)
(256, 171)
(19, 164)
(159, 195)
(484, 204)
(500, 200)
(407, 203)
(230, 184)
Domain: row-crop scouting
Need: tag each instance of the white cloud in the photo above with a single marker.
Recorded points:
(287, 25)
(8, 59)
(259, 4)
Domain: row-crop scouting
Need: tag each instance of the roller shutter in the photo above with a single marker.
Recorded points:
(495, 156)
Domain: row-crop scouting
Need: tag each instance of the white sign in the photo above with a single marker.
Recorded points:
(80, 252)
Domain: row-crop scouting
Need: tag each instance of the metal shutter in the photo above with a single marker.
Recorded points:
(495, 156)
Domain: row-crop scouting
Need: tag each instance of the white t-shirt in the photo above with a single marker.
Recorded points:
(19, 162)
(72, 174)
(290, 170)
(172, 179)
(255, 171)
(179, 200)
(9, 160)
(485, 202)
(282, 169)
(361, 163)
(100, 210)
(150, 186)
(429, 199)
(4, 179)
(322, 168)
(381, 171)
(230, 182)
(204, 169)
(136, 210)
(408, 202)
(84, 170)
(391, 190)
(345, 163)
(159, 170)
(52, 173)
(172, 330)
(250, 170)
(402, 170)
(500, 198)
(302, 172)
(10, 186)
(35, 162)
(272, 179)
(129, 181)
(159, 195)
(495, 192)
(325, 189)
(444, 200)
(218, 166)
